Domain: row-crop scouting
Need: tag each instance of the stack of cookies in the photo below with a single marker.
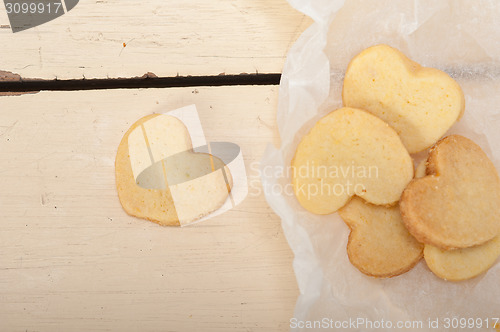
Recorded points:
(357, 161)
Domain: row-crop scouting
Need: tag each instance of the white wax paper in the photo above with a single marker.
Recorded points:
(459, 37)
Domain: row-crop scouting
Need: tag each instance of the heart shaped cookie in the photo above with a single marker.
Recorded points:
(160, 178)
(459, 264)
(462, 264)
(379, 244)
(457, 204)
(420, 103)
(349, 152)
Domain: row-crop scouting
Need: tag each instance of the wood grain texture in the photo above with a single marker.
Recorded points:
(166, 37)
(72, 260)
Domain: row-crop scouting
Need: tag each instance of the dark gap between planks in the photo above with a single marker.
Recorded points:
(139, 82)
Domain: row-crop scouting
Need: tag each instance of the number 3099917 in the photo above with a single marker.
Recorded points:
(33, 7)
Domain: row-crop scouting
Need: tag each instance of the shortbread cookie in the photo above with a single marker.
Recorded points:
(160, 178)
(460, 264)
(379, 244)
(457, 204)
(349, 152)
(421, 169)
(420, 103)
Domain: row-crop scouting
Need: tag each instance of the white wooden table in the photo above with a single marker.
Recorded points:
(70, 258)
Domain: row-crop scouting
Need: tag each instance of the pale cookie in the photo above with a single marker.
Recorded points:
(421, 169)
(460, 264)
(457, 204)
(160, 178)
(420, 103)
(379, 244)
(349, 152)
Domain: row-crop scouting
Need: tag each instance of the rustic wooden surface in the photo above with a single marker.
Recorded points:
(72, 260)
(113, 38)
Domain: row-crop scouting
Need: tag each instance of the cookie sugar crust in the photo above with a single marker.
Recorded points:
(457, 203)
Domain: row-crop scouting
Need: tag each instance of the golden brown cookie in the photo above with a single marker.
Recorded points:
(349, 152)
(379, 244)
(457, 204)
(420, 103)
(160, 178)
(459, 264)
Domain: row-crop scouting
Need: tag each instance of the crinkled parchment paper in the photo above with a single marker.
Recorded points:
(459, 37)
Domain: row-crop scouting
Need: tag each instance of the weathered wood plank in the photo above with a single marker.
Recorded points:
(112, 38)
(71, 259)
